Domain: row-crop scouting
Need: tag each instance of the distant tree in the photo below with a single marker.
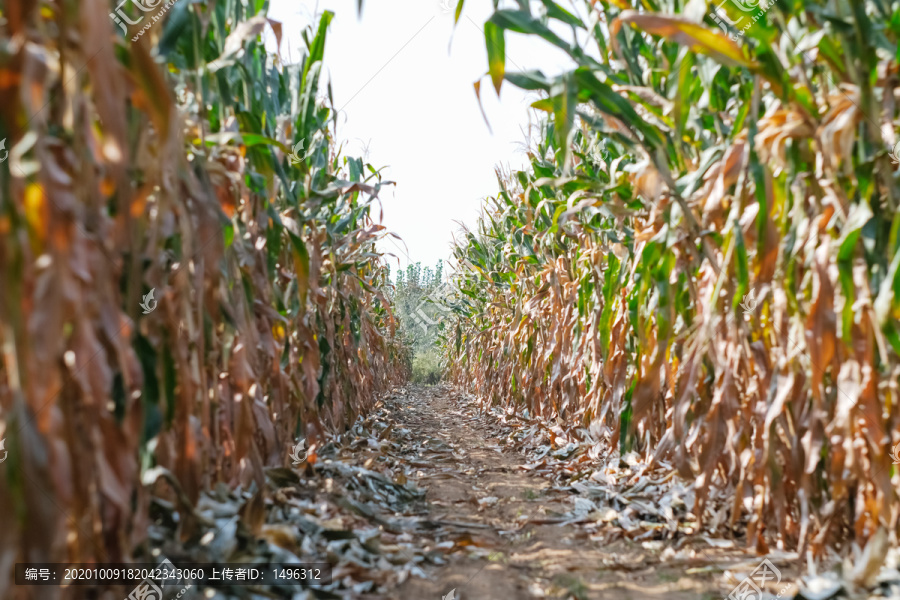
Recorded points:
(418, 296)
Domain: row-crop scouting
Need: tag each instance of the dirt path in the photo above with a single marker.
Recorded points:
(503, 529)
(426, 495)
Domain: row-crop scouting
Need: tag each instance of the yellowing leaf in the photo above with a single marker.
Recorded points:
(687, 33)
(496, 48)
(36, 210)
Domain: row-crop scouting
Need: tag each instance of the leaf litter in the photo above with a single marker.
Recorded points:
(428, 493)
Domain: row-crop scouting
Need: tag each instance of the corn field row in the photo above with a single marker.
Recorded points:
(194, 165)
(703, 258)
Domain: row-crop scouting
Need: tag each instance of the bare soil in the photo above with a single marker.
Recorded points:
(503, 527)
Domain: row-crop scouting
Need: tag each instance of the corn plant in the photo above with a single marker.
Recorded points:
(702, 259)
(189, 172)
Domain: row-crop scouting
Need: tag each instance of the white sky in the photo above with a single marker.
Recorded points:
(407, 93)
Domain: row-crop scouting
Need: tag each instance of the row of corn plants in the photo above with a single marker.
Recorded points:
(702, 259)
(189, 161)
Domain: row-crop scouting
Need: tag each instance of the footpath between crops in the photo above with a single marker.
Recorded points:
(503, 518)
(429, 498)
